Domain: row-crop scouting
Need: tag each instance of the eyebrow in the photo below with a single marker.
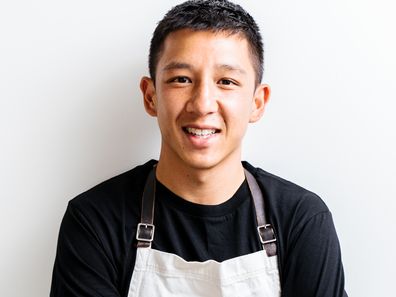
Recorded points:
(231, 68)
(176, 65)
(181, 65)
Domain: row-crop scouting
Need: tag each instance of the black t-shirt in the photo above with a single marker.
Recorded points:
(97, 246)
(201, 232)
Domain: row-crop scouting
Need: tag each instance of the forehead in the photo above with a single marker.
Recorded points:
(206, 47)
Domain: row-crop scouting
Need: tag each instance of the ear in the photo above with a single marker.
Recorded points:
(149, 96)
(260, 100)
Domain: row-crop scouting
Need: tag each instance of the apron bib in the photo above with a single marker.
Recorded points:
(161, 274)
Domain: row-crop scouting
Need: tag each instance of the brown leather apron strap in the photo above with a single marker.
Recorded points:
(265, 231)
(146, 228)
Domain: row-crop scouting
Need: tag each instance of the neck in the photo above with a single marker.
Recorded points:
(208, 186)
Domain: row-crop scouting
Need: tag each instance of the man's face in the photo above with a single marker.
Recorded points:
(204, 97)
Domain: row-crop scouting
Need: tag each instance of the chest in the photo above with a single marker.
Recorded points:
(200, 236)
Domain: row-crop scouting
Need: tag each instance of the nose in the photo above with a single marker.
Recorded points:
(203, 99)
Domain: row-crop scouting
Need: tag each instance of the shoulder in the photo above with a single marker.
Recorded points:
(306, 238)
(290, 207)
(96, 236)
(285, 194)
(113, 196)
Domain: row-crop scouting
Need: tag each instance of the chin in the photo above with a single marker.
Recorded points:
(202, 163)
(198, 163)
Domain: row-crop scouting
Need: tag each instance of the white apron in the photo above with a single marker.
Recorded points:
(161, 274)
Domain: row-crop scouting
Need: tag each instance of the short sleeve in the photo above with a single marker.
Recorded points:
(312, 264)
(82, 266)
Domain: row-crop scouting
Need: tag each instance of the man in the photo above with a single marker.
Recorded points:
(199, 222)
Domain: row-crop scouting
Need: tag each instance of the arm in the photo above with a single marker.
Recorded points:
(82, 265)
(312, 264)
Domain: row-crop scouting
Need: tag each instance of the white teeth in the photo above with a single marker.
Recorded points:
(201, 132)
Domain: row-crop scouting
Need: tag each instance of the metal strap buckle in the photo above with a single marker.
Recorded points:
(145, 232)
(262, 229)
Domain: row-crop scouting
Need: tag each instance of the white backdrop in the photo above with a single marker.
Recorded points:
(71, 116)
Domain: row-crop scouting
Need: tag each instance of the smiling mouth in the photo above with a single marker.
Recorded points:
(204, 133)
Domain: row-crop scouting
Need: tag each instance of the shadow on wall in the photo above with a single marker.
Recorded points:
(109, 131)
(99, 129)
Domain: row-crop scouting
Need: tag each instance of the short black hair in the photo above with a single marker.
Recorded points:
(208, 15)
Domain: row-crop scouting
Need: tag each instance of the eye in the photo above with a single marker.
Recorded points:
(180, 80)
(227, 82)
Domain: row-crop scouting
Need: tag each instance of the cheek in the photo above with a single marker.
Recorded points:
(163, 104)
(239, 108)
(236, 116)
(168, 112)
(171, 101)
